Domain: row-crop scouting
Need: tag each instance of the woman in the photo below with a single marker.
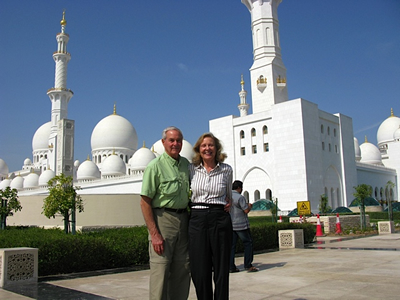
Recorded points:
(210, 226)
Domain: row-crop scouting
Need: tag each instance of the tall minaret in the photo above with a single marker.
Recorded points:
(267, 74)
(243, 106)
(59, 94)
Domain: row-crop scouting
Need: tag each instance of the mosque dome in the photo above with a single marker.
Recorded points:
(17, 183)
(114, 132)
(32, 180)
(113, 166)
(40, 139)
(27, 162)
(370, 154)
(3, 168)
(387, 129)
(46, 176)
(88, 170)
(141, 158)
(357, 150)
(76, 163)
(5, 183)
(187, 149)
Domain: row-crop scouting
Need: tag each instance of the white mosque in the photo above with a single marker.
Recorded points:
(285, 149)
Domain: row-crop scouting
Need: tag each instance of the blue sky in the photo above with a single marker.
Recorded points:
(179, 63)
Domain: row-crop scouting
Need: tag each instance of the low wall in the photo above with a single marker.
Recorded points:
(99, 210)
(329, 222)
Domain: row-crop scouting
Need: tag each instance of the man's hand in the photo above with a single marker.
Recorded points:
(158, 243)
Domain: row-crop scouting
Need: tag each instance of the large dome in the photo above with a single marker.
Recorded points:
(370, 154)
(46, 176)
(88, 170)
(113, 166)
(5, 183)
(114, 132)
(141, 158)
(3, 168)
(32, 180)
(387, 129)
(17, 183)
(40, 139)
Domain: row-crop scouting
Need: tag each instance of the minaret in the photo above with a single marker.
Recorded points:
(243, 106)
(267, 74)
(59, 94)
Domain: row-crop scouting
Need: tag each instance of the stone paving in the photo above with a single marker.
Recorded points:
(331, 268)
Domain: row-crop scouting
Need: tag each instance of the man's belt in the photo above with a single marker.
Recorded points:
(175, 210)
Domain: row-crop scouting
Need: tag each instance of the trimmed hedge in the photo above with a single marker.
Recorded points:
(60, 253)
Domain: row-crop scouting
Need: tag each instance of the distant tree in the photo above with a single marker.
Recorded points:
(9, 205)
(362, 192)
(63, 199)
(389, 187)
(324, 208)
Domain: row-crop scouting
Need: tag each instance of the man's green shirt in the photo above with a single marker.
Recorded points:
(166, 182)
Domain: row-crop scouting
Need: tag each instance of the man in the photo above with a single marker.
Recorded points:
(241, 228)
(165, 197)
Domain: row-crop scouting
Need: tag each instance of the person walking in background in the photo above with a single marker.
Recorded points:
(164, 202)
(210, 226)
(241, 228)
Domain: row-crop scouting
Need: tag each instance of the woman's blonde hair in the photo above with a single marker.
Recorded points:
(219, 156)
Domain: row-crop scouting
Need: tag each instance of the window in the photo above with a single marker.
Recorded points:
(336, 150)
(322, 128)
(265, 129)
(266, 147)
(329, 131)
(254, 149)
(323, 146)
(330, 148)
(242, 134)
(243, 151)
(334, 132)
(253, 132)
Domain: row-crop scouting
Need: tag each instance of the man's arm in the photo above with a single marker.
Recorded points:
(243, 203)
(156, 238)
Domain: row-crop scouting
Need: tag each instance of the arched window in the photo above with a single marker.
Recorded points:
(242, 134)
(322, 128)
(265, 129)
(253, 132)
(256, 195)
(334, 132)
(329, 131)
(246, 195)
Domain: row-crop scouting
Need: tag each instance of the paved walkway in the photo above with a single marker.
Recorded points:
(332, 268)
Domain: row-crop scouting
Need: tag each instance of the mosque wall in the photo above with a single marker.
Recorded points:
(99, 210)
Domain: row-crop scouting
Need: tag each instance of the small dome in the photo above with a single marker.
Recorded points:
(46, 176)
(88, 170)
(113, 166)
(357, 150)
(3, 168)
(17, 183)
(40, 139)
(114, 132)
(387, 128)
(32, 180)
(76, 163)
(5, 183)
(27, 162)
(141, 158)
(370, 154)
(187, 149)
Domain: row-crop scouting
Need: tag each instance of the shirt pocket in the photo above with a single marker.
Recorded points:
(170, 187)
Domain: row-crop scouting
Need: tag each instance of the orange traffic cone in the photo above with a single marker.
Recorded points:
(319, 228)
(280, 219)
(338, 227)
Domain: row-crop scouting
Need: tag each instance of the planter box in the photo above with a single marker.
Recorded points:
(18, 266)
(386, 227)
(291, 238)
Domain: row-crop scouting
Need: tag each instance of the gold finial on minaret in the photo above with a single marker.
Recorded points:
(88, 157)
(241, 80)
(366, 140)
(144, 144)
(391, 112)
(115, 109)
(63, 21)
